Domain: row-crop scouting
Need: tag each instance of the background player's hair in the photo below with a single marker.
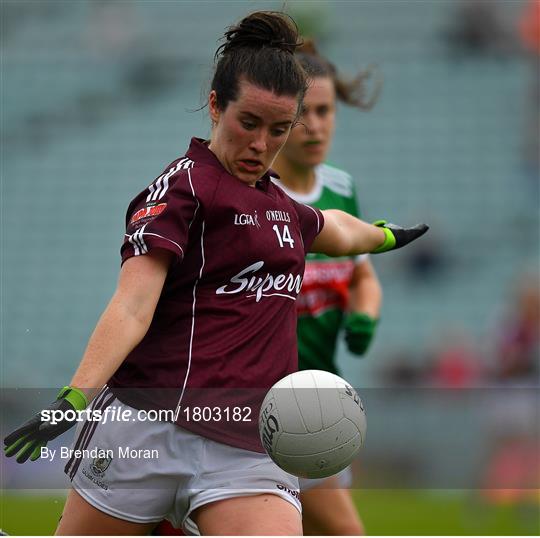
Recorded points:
(260, 48)
(349, 91)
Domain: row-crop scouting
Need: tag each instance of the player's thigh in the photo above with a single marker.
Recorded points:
(258, 515)
(329, 510)
(80, 518)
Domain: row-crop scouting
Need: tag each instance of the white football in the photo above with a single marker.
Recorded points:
(312, 423)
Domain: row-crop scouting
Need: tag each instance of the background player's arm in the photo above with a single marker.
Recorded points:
(125, 321)
(365, 290)
(345, 235)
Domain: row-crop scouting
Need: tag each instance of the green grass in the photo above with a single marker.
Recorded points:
(456, 512)
(23, 514)
(397, 512)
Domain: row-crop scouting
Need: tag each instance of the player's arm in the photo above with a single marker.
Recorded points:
(365, 289)
(121, 327)
(345, 235)
(364, 303)
(125, 321)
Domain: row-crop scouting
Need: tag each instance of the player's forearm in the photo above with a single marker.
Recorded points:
(345, 235)
(118, 331)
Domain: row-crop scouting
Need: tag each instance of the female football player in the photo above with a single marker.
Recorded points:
(204, 311)
(337, 292)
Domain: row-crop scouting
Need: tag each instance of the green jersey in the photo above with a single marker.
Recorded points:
(324, 296)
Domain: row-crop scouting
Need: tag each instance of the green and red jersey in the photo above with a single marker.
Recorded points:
(324, 296)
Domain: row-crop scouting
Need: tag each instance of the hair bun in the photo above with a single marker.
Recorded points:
(283, 45)
(262, 29)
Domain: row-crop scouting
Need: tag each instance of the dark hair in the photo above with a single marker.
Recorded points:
(261, 49)
(351, 92)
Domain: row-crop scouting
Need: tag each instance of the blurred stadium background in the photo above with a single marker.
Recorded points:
(98, 96)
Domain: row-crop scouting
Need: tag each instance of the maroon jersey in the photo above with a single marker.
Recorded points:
(226, 318)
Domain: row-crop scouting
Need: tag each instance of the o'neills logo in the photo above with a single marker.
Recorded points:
(147, 212)
(279, 216)
(263, 286)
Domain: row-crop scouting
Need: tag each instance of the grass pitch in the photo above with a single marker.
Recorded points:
(385, 512)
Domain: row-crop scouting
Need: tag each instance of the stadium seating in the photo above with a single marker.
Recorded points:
(443, 145)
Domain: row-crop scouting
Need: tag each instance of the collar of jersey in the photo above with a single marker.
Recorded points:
(198, 152)
(304, 198)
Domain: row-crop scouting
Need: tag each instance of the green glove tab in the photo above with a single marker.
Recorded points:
(359, 331)
(396, 236)
(77, 398)
(389, 240)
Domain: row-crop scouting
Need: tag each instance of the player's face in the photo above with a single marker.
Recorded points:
(248, 134)
(310, 139)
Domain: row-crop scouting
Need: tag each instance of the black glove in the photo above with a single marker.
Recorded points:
(27, 440)
(359, 330)
(396, 236)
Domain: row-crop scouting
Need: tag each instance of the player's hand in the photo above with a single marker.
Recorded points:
(396, 236)
(27, 440)
(359, 330)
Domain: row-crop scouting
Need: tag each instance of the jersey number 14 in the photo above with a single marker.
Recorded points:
(283, 237)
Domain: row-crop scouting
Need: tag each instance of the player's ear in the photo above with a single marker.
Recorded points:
(213, 107)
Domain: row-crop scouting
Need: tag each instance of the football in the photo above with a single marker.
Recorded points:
(312, 423)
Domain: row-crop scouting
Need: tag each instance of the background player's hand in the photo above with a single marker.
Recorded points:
(27, 440)
(396, 236)
(359, 330)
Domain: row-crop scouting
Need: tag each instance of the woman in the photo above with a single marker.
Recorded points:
(213, 260)
(336, 292)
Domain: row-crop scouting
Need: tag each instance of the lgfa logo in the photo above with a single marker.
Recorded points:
(245, 219)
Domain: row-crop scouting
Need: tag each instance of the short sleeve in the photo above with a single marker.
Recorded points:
(160, 217)
(311, 223)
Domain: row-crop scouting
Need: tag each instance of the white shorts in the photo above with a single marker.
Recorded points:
(344, 479)
(149, 471)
